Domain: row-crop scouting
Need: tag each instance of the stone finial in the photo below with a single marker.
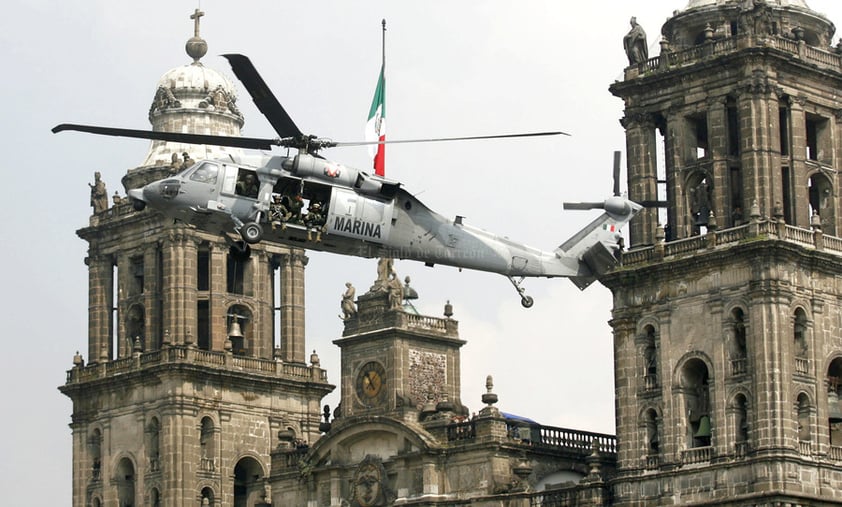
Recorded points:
(489, 398)
(166, 340)
(778, 211)
(448, 312)
(103, 353)
(755, 210)
(78, 362)
(137, 348)
(314, 360)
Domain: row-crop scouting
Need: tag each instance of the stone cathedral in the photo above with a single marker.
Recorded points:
(726, 319)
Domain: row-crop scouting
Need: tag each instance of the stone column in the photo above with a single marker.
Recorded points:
(218, 287)
(641, 149)
(179, 286)
(151, 297)
(675, 155)
(759, 138)
(718, 142)
(100, 303)
(798, 151)
(264, 343)
(292, 306)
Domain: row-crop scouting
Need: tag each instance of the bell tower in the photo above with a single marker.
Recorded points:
(727, 308)
(195, 355)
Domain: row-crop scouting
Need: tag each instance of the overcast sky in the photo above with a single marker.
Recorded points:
(453, 69)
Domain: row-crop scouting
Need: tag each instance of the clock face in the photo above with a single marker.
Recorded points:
(370, 383)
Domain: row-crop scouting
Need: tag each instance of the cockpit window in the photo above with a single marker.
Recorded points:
(207, 172)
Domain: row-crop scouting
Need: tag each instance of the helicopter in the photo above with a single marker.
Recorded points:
(307, 201)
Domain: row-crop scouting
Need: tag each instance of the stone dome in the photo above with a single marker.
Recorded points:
(196, 99)
(692, 4)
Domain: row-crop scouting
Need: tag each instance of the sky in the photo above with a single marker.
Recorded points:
(473, 67)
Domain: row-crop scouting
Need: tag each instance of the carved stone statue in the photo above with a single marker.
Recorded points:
(635, 44)
(385, 267)
(349, 309)
(395, 290)
(99, 195)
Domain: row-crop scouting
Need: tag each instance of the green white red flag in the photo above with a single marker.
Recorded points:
(375, 129)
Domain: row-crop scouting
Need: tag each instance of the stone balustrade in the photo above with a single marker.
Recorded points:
(825, 58)
(185, 354)
(727, 237)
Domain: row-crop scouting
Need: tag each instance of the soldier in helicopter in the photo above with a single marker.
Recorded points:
(315, 220)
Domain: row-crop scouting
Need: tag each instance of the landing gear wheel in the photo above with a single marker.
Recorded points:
(527, 301)
(138, 205)
(252, 232)
(240, 251)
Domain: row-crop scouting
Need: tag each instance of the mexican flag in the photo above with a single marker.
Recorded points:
(375, 129)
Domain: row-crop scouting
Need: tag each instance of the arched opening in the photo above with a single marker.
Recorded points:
(653, 440)
(799, 333)
(125, 480)
(207, 445)
(248, 482)
(737, 338)
(696, 389)
(154, 498)
(820, 191)
(700, 197)
(650, 357)
(241, 330)
(153, 443)
(207, 496)
(741, 427)
(95, 450)
(834, 410)
(136, 325)
(803, 409)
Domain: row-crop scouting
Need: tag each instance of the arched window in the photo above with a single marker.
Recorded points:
(241, 330)
(207, 445)
(801, 345)
(737, 342)
(153, 444)
(125, 479)
(207, 496)
(696, 389)
(154, 498)
(653, 439)
(248, 482)
(803, 413)
(650, 357)
(95, 449)
(834, 410)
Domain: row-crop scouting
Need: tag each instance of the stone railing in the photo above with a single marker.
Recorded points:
(802, 365)
(672, 59)
(696, 455)
(725, 237)
(835, 453)
(652, 462)
(466, 430)
(805, 448)
(186, 354)
(741, 449)
(739, 366)
(207, 465)
(581, 442)
(559, 498)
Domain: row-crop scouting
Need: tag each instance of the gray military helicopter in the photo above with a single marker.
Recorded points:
(310, 202)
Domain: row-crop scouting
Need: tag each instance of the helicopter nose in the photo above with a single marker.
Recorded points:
(137, 194)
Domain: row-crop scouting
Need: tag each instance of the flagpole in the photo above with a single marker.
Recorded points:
(383, 45)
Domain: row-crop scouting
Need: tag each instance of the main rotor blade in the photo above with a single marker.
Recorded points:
(441, 139)
(175, 137)
(263, 97)
(584, 205)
